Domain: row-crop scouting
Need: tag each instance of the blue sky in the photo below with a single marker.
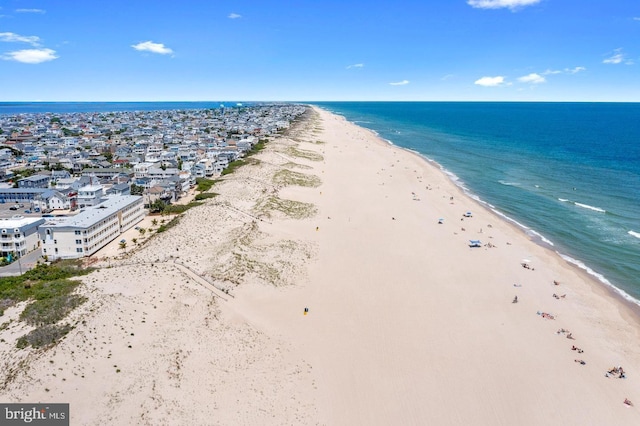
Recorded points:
(502, 50)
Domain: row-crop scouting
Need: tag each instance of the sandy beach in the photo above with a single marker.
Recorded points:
(407, 324)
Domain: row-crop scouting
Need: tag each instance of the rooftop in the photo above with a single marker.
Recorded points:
(90, 215)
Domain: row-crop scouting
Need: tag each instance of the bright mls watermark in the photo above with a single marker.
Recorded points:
(34, 414)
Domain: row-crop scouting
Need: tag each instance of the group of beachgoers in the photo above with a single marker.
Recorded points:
(617, 372)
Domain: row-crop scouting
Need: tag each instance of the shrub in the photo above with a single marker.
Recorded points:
(50, 310)
(43, 336)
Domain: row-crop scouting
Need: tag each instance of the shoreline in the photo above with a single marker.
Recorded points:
(536, 237)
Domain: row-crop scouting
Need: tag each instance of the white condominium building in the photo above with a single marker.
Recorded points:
(19, 235)
(91, 229)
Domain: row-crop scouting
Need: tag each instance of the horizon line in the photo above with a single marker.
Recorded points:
(315, 101)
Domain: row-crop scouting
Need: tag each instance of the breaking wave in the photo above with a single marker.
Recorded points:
(587, 206)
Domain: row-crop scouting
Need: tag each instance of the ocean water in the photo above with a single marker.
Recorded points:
(567, 173)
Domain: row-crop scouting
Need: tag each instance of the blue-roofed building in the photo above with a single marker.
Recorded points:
(35, 181)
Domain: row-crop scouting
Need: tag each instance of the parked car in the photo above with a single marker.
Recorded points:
(13, 208)
(27, 211)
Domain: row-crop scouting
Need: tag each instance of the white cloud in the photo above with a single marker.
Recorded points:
(490, 81)
(31, 11)
(13, 37)
(617, 57)
(532, 78)
(31, 56)
(636, 18)
(499, 4)
(234, 16)
(400, 83)
(573, 70)
(447, 77)
(355, 66)
(149, 46)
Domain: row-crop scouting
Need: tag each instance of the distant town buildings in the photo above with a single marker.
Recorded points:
(88, 165)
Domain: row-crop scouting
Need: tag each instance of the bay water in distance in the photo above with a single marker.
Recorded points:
(567, 173)
(14, 108)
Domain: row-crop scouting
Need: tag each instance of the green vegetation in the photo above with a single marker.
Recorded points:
(165, 226)
(51, 293)
(303, 153)
(22, 173)
(158, 206)
(68, 132)
(50, 310)
(204, 184)
(288, 177)
(292, 165)
(291, 208)
(43, 336)
(232, 167)
(200, 197)
(239, 163)
(136, 190)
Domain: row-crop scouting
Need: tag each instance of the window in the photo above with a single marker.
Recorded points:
(78, 241)
(56, 251)
(79, 250)
(77, 232)
(55, 242)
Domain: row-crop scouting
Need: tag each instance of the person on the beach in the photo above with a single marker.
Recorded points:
(515, 300)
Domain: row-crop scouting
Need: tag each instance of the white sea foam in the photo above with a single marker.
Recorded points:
(586, 206)
(564, 200)
(530, 232)
(542, 237)
(503, 182)
(634, 234)
(600, 278)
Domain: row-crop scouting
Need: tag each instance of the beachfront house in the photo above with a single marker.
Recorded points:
(19, 235)
(91, 229)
